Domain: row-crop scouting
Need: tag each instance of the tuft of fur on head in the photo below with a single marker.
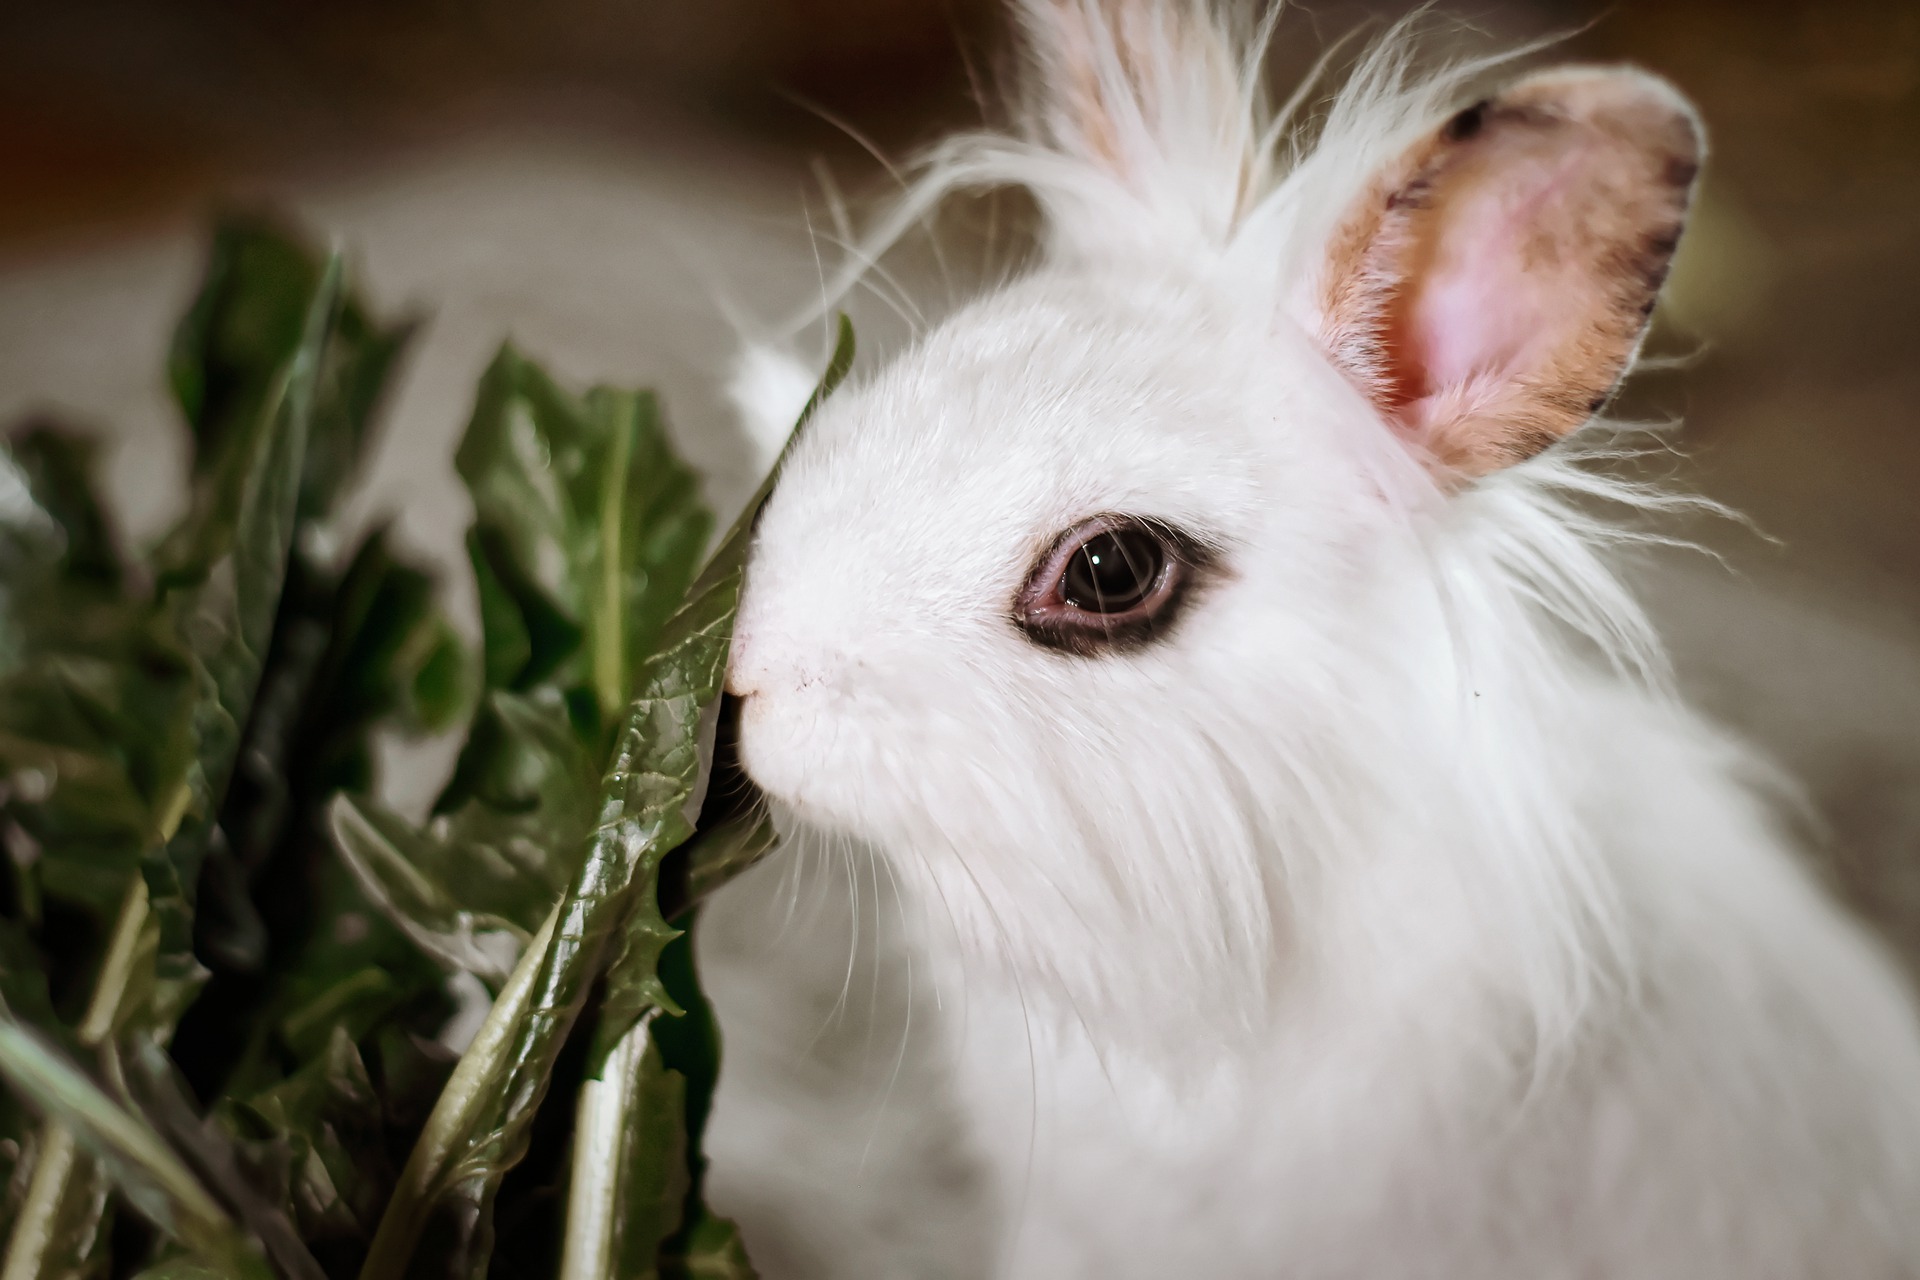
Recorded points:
(1500, 605)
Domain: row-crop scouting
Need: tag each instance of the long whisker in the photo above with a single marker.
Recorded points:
(1013, 968)
(906, 1026)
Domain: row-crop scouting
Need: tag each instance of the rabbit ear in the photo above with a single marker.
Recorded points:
(1490, 287)
(1141, 89)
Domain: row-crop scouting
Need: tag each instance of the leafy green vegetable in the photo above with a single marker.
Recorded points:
(431, 887)
(202, 906)
(94, 694)
(149, 1078)
(586, 531)
(143, 1168)
(218, 619)
(224, 609)
(326, 1118)
(248, 319)
(648, 806)
(123, 717)
(643, 816)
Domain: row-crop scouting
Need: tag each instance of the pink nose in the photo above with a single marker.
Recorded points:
(752, 664)
(742, 679)
(773, 669)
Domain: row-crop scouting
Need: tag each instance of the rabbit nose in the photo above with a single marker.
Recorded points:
(775, 663)
(754, 665)
(744, 674)
(739, 684)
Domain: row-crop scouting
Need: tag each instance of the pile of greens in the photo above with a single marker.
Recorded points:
(227, 973)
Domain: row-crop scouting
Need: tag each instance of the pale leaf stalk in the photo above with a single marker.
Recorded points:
(608, 620)
(61, 1170)
(468, 1091)
(55, 1170)
(601, 1121)
(145, 1166)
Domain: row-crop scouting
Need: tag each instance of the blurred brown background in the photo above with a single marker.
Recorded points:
(123, 119)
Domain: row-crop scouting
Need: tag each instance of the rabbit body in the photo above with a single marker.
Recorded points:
(1352, 902)
(1747, 1110)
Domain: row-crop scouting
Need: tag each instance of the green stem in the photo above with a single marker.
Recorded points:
(62, 1173)
(601, 1122)
(468, 1091)
(608, 619)
(142, 1164)
(38, 1073)
(116, 971)
(33, 1235)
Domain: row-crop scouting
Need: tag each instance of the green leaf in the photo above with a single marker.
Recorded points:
(648, 805)
(692, 660)
(646, 791)
(391, 655)
(444, 1144)
(343, 662)
(646, 1207)
(136, 711)
(587, 530)
(277, 370)
(408, 877)
(224, 606)
(471, 888)
(326, 1118)
(527, 637)
(95, 701)
(652, 1156)
(150, 1079)
(438, 689)
(62, 1224)
(719, 853)
(60, 1232)
(712, 1251)
(66, 520)
(689, 1045)
(123, 720)
(94, 695)
(23, 992)
(244, 326)
(142, 1166)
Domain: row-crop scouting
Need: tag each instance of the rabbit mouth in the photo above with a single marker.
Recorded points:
(795, 758)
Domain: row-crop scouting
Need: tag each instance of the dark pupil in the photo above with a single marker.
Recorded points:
(1113, 571)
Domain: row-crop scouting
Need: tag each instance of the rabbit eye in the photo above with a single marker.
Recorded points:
(1108, 582)
(1113, 571)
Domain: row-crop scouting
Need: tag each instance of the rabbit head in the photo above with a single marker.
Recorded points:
(1203, 559)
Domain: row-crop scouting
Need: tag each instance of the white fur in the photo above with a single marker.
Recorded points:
(768, 388)
(1386, 920)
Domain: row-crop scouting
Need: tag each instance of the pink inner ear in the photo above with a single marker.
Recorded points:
(1497, 292)
(1490, 288)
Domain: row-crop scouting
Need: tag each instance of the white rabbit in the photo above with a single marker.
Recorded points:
(1203, 630)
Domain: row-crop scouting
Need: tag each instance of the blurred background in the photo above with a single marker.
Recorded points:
(621, 185)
